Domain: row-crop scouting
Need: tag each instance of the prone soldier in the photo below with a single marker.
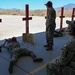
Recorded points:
(65, 64)
(16, 51)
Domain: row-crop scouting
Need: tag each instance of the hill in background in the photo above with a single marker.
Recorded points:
(67, 7)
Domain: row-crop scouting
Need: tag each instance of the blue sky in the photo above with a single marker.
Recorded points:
(33, 4)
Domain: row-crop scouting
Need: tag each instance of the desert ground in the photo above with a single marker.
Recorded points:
(14, 26)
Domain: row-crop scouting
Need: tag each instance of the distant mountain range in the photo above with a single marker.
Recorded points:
(67, 7)
(10, 9)
(1, 8)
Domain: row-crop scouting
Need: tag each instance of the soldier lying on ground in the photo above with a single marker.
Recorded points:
(16, 51)
(65, 65)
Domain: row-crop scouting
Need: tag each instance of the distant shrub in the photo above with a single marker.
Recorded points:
(14, 14)
(32, 15)
(42, 14)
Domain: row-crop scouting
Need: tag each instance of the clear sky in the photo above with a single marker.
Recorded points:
(33, 4)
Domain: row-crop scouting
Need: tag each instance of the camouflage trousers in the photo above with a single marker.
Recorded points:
(50, 35)
(21, 52)
(54, 69)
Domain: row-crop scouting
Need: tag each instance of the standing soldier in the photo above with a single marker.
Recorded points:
(50, 25)
(65, 65)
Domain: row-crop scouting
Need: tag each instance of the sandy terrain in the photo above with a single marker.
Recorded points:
(14, 26)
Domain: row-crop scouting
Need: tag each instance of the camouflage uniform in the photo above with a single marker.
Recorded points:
(16, 51)
(50, 26)
(71, 24)
(65, 65)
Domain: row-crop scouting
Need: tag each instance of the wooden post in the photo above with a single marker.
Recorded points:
(61, 17)
(27, 18)
(73, 14)
(27, 37)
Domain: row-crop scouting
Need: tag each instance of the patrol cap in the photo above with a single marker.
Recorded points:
(72, 23)
(49, 4)
(14, 39)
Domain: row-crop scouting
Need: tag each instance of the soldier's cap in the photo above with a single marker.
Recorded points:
(14, 39)
(72, 23)
(49, 4)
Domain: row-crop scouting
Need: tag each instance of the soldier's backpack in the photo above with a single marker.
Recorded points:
(58, 34)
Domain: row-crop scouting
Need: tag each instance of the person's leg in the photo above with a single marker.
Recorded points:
(46, 34)
(26, 52)
(50, 39)
(34, 57)
(16, 54)
(13, 60)
(46, 39)
(32, 54)
(52, 69)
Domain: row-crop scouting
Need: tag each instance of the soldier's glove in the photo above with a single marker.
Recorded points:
(7, 40)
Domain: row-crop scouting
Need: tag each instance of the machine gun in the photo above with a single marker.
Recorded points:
(58, 33)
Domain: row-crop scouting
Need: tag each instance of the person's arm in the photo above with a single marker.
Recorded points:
(66, 55)
(65, 60)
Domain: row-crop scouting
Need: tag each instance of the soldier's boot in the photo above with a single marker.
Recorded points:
(35, 59)
(46, 45)
(49, 48)
(11, 67)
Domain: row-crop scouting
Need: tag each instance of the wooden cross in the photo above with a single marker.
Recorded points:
(61, 17)
(73, 14)
(27, 18)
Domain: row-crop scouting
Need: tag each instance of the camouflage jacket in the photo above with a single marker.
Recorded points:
(68, 54)
(13, 45)
(50, 21)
